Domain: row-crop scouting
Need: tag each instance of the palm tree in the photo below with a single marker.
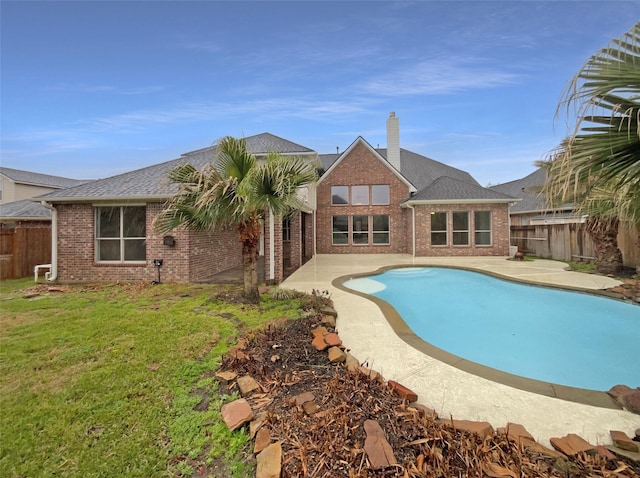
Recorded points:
(598, 166)
(235, 190)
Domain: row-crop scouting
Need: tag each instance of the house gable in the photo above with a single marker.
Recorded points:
(360, 142)
(363, 224)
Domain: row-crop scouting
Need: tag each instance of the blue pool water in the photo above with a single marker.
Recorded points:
(567, 338)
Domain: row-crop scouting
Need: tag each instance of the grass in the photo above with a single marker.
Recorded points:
(105, 380)
(577, 266)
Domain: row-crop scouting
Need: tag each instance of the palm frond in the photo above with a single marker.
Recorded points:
(232, 158)
(274, 183)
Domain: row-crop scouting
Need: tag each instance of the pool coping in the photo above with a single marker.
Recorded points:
(578, 395)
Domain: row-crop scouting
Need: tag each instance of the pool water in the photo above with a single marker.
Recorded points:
(567, 338)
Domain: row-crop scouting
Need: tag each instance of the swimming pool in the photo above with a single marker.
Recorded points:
(566, 338)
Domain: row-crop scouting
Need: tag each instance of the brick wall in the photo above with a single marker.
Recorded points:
(295, 246)
(499, 231)
(212, 252)
(194, 256)
(362, 167)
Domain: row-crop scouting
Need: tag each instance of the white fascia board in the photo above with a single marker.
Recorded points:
(459, 201)
(105, 199)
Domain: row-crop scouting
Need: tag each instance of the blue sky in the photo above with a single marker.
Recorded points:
(93, 89)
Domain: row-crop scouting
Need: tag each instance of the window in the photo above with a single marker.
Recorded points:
(380, 194)
(460, 228)
(340, 230)
(121, 234)
(360, 230)
(286, 229)
(438, 228)
(381, 229)
(339, 195)
(482, 228)
(360, 195)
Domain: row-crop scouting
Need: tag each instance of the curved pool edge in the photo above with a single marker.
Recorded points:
(578, 395)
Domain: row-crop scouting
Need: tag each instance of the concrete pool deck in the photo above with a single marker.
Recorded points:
(368, 335)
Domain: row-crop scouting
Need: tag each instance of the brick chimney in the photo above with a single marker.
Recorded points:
(393, 141)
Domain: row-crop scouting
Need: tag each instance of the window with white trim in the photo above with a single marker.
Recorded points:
(380, 195)
(439, 228)
(381, 229)
(360, 232)
(339, 195)
(121, 234)
(359, 195)
(340, 230)
(460, 228)
(482, 228)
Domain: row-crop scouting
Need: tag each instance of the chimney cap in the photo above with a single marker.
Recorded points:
(392, 114)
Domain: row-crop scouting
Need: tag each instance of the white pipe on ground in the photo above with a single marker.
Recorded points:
(53, 273)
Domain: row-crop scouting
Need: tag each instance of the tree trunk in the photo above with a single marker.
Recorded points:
(604, 233)
(250, 238)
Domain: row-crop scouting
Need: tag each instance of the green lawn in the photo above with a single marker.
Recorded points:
(102, 380)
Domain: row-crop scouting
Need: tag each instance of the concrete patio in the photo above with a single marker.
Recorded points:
(366, 332)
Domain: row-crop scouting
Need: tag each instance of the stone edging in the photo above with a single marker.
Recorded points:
(238, 413)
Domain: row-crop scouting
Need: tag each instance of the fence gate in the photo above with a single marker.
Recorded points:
(23, 245)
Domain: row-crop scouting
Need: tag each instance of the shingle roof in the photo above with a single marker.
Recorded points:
(24, 209)
(422, 171)
(451, 189)
(37, 179)
(151, 182)
(527, 189)
(417, 169)
(327, 160)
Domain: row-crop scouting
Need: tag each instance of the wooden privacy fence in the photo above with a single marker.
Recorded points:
(23, 245)
(568, 242)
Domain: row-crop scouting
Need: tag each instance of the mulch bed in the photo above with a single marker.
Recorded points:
(328, 440)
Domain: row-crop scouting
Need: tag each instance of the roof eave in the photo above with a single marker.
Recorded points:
(94, 199)
(459, 201)
(24, 218)
(544, 211)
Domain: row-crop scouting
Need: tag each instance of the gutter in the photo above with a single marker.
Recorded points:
(53, 273)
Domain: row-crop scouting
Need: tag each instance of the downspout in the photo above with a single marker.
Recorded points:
(413, 230)
(53, 273)
(272, 252)
(314, 234)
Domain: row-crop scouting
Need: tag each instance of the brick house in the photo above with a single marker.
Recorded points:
(366, 201)
(376, 201)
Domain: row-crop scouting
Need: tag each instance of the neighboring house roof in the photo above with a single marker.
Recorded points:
(36, 179)
(451, 190)
(152, 183)
(528, 190)
(24, 210)
(383, 160)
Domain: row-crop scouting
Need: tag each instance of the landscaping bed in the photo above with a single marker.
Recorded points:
(316, 411)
